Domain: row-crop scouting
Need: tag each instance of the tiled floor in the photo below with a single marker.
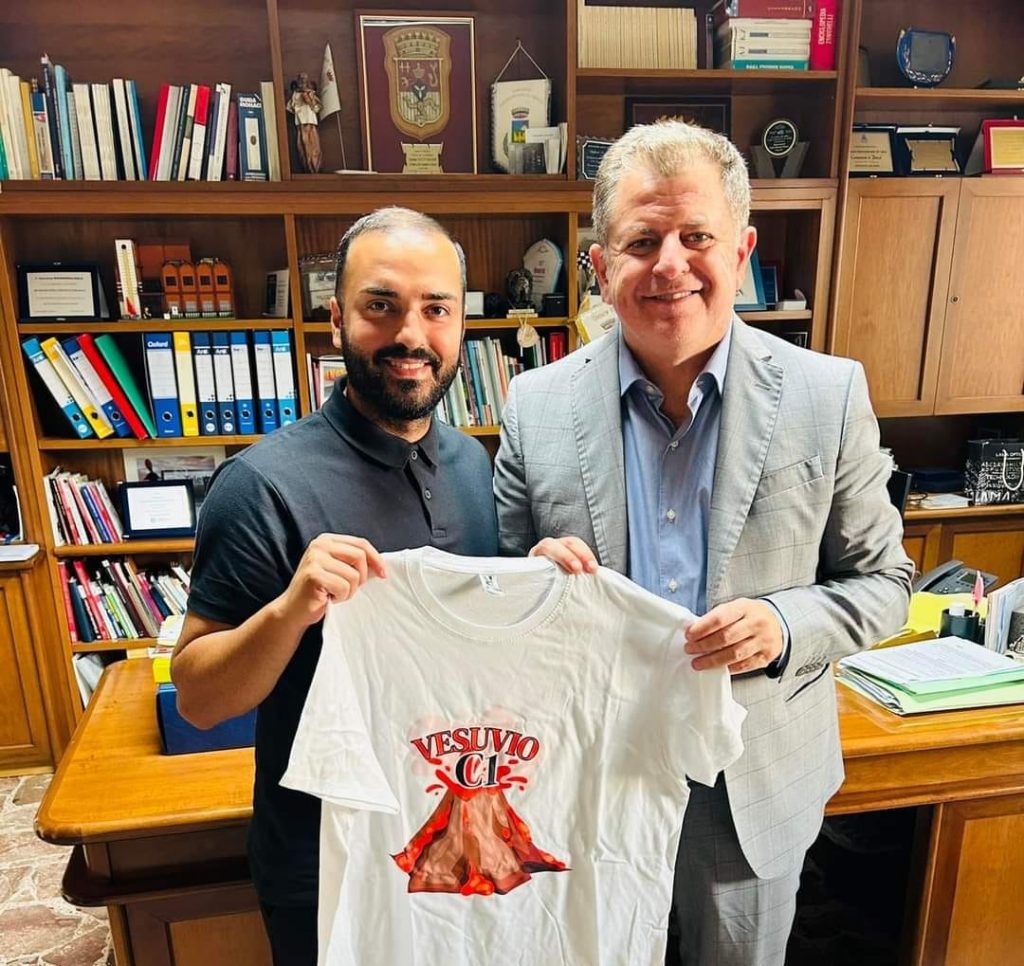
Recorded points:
(37, 927)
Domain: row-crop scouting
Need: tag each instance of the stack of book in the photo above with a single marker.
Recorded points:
(113, 600)
(197, 383)
(321, 372)
(775, 34)
(941, 675)
(52, 128)
(81, 511)
(478, 394)
(636, 37)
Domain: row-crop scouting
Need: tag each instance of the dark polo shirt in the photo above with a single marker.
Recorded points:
(336, 472)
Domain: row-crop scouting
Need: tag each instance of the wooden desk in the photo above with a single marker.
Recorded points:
(160, 840)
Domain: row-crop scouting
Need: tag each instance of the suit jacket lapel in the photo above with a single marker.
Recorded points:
(597, 424)
(750, 405)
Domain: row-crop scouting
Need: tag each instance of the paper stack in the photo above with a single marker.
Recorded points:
(637, 37)
(940, 675)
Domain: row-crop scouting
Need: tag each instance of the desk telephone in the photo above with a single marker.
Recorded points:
(952, 577)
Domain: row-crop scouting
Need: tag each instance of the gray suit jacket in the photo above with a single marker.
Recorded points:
(800, 515)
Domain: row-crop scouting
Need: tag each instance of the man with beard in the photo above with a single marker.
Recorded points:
(298, 521)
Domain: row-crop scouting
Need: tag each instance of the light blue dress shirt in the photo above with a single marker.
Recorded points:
(670, 474)
(669, 477)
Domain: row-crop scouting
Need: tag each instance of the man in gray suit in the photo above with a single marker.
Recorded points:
(731, 472)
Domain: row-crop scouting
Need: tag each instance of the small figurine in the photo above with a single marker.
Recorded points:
(519, 286)
(305, 105)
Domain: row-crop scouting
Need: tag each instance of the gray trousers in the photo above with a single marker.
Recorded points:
(723, 914)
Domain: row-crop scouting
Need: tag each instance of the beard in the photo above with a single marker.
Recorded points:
(396, 400)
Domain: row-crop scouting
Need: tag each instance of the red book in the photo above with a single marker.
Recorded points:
(231, 143)
(823, 35)
(158, 131)
(62, 569)
(113, 386)
(763, 9)
(96, 610)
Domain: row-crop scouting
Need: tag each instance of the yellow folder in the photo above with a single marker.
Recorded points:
(77, 387)
(186, 384)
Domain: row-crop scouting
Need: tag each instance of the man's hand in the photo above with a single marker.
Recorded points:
(332, 569)
(743, 635)
(570, 553)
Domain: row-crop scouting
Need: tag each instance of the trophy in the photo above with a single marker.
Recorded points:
(780, 142)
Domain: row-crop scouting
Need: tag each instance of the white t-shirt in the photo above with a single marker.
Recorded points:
(502, 751)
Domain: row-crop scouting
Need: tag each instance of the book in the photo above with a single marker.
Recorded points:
(49, 93)
(823, 35)
(135, 119)
(113, 357)
(252, 147)
(270, 127)
(231, 143)
(104, 118)
(124, 133)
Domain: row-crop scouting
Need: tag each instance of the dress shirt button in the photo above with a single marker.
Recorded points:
(673, 585)
(413, 455)
(671, 516)
(426, 494)
(674, 444)
(650, 390)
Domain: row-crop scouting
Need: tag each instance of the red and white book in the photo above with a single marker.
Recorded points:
(824, 24)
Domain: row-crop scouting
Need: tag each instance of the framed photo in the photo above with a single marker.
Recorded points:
(159, 508)
(61, 292)
(750, 297)
(317, 277)
(1004, 146)
(417, 87)
(710, 112)
(193, 464)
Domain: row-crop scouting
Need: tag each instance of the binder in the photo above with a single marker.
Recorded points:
(206, 389)
(96, 386)
(78, 389)
(284, 377)
(121, 371)
(266, 394)
(227, 415)
(120, 400)
(163, 388)
(242, 374)
(186, 384)
(57, 389)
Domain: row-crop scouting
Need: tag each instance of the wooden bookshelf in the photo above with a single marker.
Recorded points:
(177, 442)
(125, 644)
(128, 547)
(613, 80)
(156, 325)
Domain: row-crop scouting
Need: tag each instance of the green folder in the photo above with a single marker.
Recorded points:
(902, 702)
(107, 346)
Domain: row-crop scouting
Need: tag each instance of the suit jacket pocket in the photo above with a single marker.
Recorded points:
(789, 477)
(804, 684)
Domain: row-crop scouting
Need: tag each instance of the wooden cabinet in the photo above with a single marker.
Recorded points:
(989, 538)
(24, 738)
(982, 363)
(893, 276)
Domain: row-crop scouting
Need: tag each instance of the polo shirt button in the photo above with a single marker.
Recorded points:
(671, 516)
(673, 585)
(413, 455)
(426, 493)
(674, 444)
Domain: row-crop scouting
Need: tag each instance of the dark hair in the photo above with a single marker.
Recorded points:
(389, 219)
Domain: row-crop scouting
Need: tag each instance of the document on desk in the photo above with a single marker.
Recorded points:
(1001, 605)
(949, 664)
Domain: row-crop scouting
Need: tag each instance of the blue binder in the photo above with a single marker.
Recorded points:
(241, 372)
(163, 384)
(227, 412)
(58, 390)
(206, 389)
(96, 386)
(266, 394)
(284, 376)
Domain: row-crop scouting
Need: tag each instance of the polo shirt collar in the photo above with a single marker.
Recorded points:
(370, 439)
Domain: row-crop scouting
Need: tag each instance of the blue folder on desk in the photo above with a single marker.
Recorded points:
(178, 737)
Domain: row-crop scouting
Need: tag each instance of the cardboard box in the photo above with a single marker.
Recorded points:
(178, 737)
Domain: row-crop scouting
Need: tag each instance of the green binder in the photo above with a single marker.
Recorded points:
(119, 367)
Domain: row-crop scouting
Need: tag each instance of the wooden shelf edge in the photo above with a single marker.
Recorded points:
(127, 547)
(950, 513)
(154, 325)
(800, 315)
(936, 96)
(96, 647)
(52, 443)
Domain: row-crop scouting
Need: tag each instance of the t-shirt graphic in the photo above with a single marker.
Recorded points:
(474, 842)
(502, 752)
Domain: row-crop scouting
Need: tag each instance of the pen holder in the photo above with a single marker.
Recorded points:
(959, 622)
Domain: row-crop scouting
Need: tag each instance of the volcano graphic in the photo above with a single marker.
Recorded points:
(474, 844)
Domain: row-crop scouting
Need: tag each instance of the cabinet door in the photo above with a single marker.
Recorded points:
(892, 282)
(23, 737)
(995, 546)
(982, 368)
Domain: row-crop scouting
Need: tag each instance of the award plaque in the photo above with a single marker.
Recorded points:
(1004, 146)
(925, 57)
(871, 150)
(780, 142)
(590, 153)
(927, 150)
(544, 260)
(417, 85)
(61, 292)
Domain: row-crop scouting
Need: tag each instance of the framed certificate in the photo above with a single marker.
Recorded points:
(161, 508)
(61, 292)
(1004, 146)
(710, 112)
(750, 297)
(871, 149)
(417, 87)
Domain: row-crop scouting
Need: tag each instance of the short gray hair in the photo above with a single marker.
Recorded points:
(391, 219)
(668, 148)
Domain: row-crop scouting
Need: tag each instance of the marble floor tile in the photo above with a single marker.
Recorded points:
(37, 927)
